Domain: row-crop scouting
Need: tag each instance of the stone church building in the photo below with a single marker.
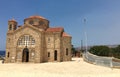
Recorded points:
(36, 42)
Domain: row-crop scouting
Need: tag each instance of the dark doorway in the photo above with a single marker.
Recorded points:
(25, 55)
(55, 55)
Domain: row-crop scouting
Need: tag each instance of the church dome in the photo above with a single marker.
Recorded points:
(35, 17)
(37, 21)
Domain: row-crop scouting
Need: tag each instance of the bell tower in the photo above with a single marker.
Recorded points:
(12, 25)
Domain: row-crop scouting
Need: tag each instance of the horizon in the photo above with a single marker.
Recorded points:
(87, 46)
(102, 18)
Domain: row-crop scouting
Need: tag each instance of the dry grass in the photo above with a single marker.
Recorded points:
(76, 68)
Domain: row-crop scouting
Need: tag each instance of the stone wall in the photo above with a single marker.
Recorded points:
(52, 44)
(66, 48)
(49, 46)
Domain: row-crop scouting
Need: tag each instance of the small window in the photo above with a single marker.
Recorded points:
(8, 54)
(41, 22)
(31, 22)
(66, 51)
(8, 40)
(15, 27)
(33, 42)
(10, 27)
(48, 40)
(48, 54)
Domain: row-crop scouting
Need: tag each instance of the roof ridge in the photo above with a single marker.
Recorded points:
(66, 34)
(55, 29)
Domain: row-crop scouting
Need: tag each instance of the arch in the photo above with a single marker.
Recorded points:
(10, 27)
(25, 55)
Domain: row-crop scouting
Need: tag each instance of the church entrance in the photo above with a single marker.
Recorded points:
(25, 55)
(55, 55)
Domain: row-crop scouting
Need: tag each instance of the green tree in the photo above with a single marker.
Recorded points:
(73, 50)
(116, 52)
(100, 50)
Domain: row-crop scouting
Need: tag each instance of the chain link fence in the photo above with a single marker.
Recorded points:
(104, 61)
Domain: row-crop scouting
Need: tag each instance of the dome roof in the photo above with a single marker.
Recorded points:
(12, 20)
(36, 16)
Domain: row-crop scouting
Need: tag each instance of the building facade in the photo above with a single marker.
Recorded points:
(36, 42)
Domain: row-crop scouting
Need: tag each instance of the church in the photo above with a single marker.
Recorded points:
(36, 42)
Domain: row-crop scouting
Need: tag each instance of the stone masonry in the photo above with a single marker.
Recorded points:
(36, 42)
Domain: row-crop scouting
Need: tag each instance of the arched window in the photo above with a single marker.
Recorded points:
(31, 22)
(66, 51)
(26, 40)
(41, 22)
(14, 27)
(48, 54)
(8, 54)
(10, 27)
(48, 40)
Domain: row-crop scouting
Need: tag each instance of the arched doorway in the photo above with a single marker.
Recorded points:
(55, 55)
(25, 55)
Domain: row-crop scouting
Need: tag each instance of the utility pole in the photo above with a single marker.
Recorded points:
(85, 36)
(82, 46)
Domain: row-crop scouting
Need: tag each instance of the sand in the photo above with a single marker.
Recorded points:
(75, 68)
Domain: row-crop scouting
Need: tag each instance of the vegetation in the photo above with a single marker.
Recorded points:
(100, 50)
(106, 51)
(116, 52)
(74, 51)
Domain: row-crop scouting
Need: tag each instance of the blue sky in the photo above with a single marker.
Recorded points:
(102, 18)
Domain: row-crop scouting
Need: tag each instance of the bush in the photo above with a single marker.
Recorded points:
(116, 52)
(100, 50)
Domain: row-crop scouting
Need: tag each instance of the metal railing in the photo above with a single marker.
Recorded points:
(103, 61)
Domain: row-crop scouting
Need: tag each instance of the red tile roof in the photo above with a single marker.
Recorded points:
(36, 16)
(57, 29)
(65, 34)
(12, 20)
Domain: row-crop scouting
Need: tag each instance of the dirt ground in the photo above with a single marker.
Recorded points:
(75, 68)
